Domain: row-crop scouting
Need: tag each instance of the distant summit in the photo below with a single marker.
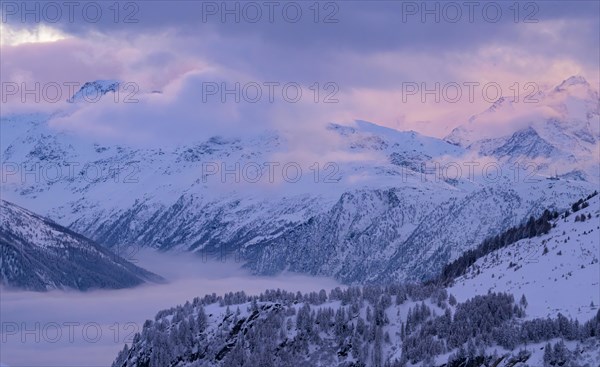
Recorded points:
(572, 81)
(93, 91)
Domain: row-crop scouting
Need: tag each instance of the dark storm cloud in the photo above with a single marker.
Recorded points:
(365, 26)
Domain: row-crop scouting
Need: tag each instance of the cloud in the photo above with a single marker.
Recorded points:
(40, 34)
(367, 54)
(88, 329)
(199, 104)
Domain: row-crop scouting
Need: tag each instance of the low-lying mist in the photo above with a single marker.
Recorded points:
(68, 328)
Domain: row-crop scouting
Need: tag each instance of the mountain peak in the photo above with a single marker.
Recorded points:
(500, 103)
(572, 81)
(94, 90)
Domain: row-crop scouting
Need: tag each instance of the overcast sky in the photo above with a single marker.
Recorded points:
(368, 52)
(363, 57)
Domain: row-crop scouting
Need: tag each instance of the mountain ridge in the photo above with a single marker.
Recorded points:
(164, 198)
(40, 255)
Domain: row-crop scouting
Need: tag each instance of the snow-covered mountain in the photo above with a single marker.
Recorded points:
(359, 327)
(501, 313)
(559, 129)
(382, 205)
(38, 254)
(93, 91)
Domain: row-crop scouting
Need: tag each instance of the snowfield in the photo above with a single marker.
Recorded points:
(565, 279)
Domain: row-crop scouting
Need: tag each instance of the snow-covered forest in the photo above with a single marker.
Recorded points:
(403, 324)
(396, 325)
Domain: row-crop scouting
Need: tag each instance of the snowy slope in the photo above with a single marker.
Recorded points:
(166, 204)
(38, 254)
(559, 129)
(480, 318)
(569, 267)
(382, 211)
(369, 326)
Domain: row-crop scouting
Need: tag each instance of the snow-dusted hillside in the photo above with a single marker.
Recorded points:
(381, 211)
(546, 268)
(38, 254)
(369, 326)
(510, 309)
